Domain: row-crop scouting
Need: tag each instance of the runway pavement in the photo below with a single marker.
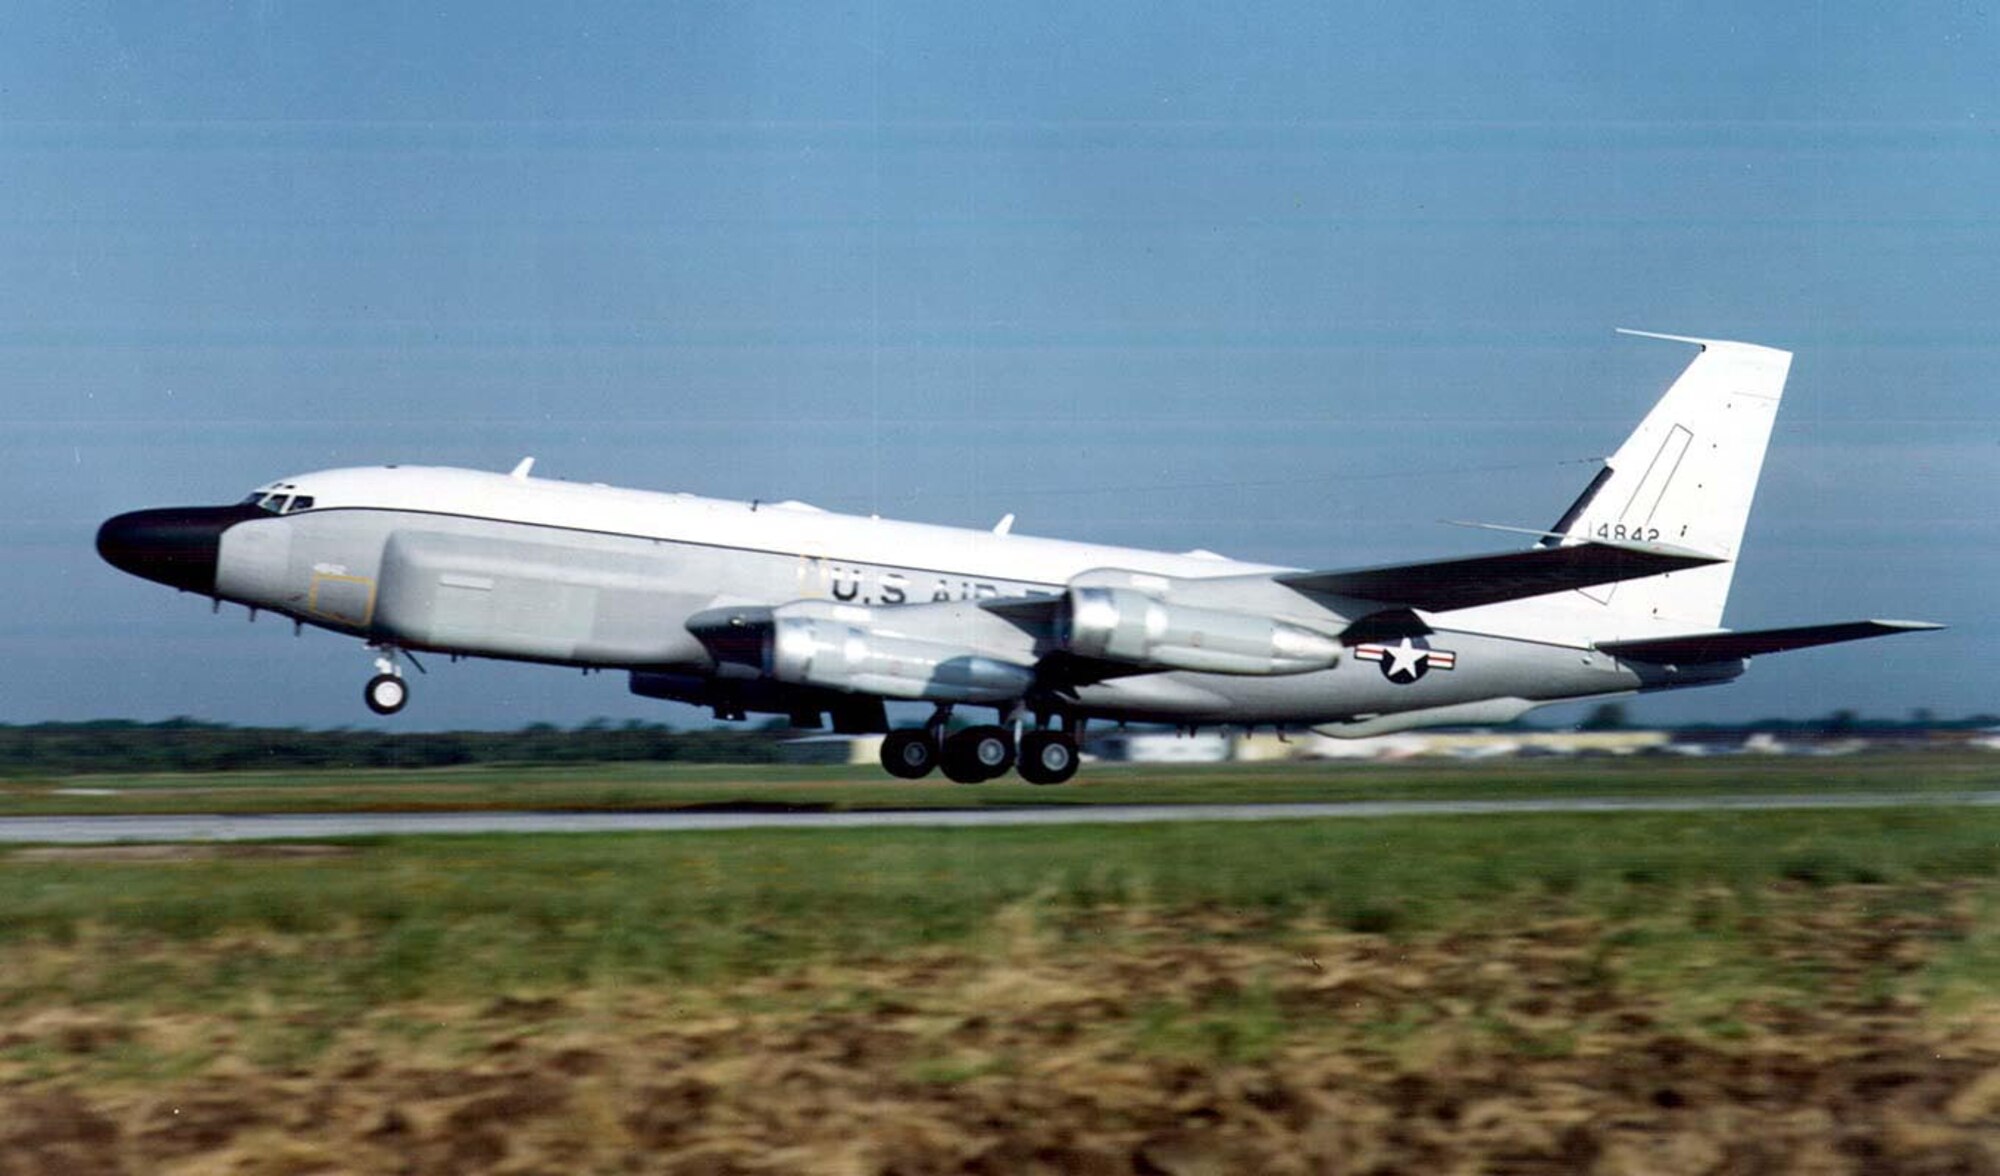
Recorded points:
(308, 826)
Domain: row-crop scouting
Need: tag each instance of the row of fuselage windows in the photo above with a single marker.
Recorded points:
(280, 503)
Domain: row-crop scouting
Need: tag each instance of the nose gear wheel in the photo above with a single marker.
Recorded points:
(386, 694)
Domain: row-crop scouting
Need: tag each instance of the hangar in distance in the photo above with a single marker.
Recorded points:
(781, 608)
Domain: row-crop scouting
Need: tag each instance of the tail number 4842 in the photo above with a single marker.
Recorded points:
(1636, 534)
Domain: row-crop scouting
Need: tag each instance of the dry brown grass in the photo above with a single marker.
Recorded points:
(1114, 1042)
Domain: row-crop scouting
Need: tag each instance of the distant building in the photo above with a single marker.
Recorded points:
(1264, 745)
(1163, 747)
(1485, 744)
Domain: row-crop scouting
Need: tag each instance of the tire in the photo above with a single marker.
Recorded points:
(978, 754)
(909, 755)
(1048, 757)
(386, 694)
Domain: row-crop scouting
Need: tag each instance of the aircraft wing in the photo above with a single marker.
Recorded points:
(1697, 648)
(1113, 622)
(1446, 584)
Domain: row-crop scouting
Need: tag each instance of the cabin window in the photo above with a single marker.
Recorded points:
(302, 502)
(276, 503)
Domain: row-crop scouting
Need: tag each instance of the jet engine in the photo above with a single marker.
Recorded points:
(1127, 625)
(822, 651)
(859, 650)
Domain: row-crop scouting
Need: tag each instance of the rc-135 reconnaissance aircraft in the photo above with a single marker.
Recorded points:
(787, 609)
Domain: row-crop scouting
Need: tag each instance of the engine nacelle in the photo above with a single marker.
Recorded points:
(822, 651)
(1126, 625)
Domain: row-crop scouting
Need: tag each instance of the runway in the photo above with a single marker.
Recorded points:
(98, 830)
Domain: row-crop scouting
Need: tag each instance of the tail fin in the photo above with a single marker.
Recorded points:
(1684, 478)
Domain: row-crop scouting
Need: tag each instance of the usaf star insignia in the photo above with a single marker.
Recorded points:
(1407, 661)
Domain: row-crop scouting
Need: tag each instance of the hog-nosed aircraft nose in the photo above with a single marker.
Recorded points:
(178, 546)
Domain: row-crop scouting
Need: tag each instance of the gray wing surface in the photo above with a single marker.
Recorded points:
(1446, 584)
(1697, 648)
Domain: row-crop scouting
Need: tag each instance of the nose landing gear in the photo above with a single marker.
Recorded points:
(386, 692)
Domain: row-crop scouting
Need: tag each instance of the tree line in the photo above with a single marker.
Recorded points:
(189, 745)
(186, 745)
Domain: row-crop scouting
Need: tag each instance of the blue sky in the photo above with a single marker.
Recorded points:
(1292, 283)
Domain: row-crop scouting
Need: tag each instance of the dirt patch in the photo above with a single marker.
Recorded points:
(1158, 1044)
(55, 1131)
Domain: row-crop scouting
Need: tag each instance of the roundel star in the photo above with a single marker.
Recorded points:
(1408, 660)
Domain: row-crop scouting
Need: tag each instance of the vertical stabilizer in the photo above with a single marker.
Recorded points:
(1685, 478)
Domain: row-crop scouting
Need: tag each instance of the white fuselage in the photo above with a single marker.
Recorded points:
(526, 568)
(792, 530)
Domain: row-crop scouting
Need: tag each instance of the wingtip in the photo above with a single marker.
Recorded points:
(1702, 343)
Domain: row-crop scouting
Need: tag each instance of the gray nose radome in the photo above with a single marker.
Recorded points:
(177, 546)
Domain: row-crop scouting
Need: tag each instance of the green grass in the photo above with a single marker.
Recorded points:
(460, 917)
(669, 786)
(1232, 1027)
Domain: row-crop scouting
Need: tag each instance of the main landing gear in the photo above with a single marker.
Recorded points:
(1048, 757)
(978, 754)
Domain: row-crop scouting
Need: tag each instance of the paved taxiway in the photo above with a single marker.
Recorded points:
(298, 826)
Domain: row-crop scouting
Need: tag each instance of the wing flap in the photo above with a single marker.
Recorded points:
(1443, 585)
(1697, 648)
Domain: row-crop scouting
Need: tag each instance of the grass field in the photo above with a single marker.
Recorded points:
(460, 917)
(670, 786)
(1639, 992)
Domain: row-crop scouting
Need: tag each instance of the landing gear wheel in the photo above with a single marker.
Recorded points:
(1048, 757)
(978, 754)
(909, 755)
(386, 694)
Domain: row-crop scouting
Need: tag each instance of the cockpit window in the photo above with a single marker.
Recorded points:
(279, 503)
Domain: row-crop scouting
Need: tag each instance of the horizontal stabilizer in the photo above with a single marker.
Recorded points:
(1442, 585)
(1697, 648)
